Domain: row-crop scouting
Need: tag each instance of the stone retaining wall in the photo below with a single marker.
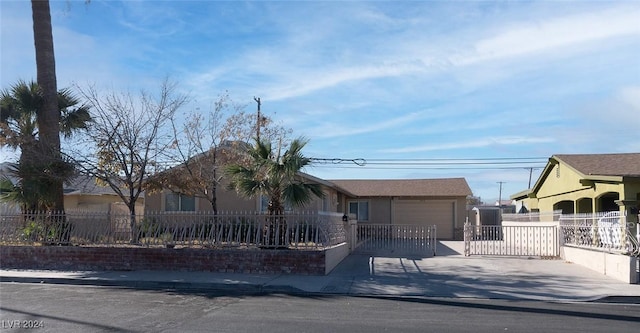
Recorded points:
(260, 261)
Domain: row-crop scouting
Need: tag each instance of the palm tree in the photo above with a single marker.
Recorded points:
(275, 176)
(19, 129)
(48, 117)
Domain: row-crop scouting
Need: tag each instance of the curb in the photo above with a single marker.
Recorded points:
(240, 288)
(618, 299)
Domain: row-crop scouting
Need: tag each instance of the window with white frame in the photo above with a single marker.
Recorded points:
(179, 203)
(360, 209)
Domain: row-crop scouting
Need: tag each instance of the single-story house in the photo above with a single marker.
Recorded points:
(229, 201)
(585, 183)
(440, 202)
(83, 193)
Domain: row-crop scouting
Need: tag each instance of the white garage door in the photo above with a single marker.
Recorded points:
(426, 212)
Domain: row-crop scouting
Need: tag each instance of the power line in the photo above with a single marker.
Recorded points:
(460, 159)
(528, 163)
(426, 167)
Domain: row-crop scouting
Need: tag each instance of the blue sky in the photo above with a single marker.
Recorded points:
(428, 80)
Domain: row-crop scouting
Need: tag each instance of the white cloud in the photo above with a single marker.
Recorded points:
(331, 77)
(541, 36)
(631, 96)
(472, 143)
(333, 130)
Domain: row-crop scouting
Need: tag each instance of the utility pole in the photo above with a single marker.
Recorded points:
(257, 99)
(500, 194)
(530, 172)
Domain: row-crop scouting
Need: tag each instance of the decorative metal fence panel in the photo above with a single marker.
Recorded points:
(511, 240)
(533, 217)
(308, 230)
(607, 232)
(386, 239)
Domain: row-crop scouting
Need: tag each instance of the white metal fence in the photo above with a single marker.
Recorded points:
(389, 239)
(511, 240)
(607, 232)
(308, 230)
(533, 217)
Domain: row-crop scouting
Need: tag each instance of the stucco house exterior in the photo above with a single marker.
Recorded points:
(585, 183)
(81, 193)
(230, 201)
(439, 202)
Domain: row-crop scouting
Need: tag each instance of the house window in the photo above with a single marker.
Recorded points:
(360, 209)
(264, 205)
(179, 203)
(326, 205)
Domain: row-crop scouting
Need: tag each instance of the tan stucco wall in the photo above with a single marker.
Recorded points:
(229, 201)
(96, 203)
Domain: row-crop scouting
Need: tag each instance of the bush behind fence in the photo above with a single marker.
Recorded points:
(307, 230)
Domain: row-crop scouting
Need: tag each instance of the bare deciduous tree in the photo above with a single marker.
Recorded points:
(126, 139)
(206, 144)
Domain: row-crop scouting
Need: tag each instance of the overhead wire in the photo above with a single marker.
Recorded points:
(433, 163)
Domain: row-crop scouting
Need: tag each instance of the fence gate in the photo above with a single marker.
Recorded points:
(511, 240)
(394, 239)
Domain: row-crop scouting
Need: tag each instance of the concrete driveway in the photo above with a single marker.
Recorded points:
(450, 274)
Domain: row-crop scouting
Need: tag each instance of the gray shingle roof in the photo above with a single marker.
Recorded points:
(604, 164)
(86, 185)
(443, 187)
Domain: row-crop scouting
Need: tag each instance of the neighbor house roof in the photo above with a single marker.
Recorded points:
(604, 164)
(591, 167)
(443, 187)
(78, 185)
(87, 185)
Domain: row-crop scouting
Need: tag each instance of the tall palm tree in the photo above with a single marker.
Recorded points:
(274, 175)
(48, 117)
(19, 128)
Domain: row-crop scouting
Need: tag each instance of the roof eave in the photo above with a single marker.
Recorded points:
(528, 193)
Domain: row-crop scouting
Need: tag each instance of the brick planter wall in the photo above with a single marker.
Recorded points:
(111, 258)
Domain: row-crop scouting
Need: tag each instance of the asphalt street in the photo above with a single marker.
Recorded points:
(72, 308)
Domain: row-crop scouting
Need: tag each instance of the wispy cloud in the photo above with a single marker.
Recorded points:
(334, 130)
(335, 76)
(562, 32)
(473, 143)
(371, 79)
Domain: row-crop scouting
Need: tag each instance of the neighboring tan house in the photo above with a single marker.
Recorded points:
(440, 202)
(585, 183)
(82, 193)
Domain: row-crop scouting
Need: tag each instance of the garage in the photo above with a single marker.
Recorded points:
(440, 202)
(440, 213)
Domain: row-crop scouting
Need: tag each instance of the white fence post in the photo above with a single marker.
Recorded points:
(353, 235)
(467, 238)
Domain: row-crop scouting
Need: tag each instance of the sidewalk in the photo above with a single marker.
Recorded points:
(447, 275)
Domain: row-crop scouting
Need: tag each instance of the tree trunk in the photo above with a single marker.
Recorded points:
(48, 118)
(135, 239)
(214, 182)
